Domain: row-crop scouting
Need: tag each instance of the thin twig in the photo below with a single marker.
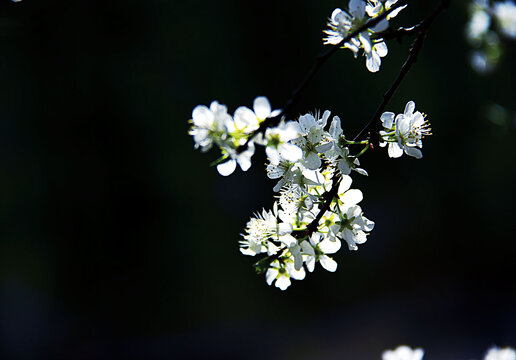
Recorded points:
(321, 59)
(411, 60)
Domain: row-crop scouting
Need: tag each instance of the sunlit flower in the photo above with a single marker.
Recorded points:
(496, 353)
(243, 159)
(278, 144)
(311, 129)
(262, 227)
(404, 133)
(315, 250)
(281, 274)
(210, 125)
(342, 23)
(505, 14)
(403, 353)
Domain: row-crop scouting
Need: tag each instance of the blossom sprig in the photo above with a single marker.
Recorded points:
(310, 218)
(316, 209)
(214, 125)
(344, 22)
(404, 133)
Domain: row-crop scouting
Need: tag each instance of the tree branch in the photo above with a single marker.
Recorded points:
(321, 59)
(411, 60)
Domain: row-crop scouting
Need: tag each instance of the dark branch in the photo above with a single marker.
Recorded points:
(321, 59)
(398, 33)
(411, 60)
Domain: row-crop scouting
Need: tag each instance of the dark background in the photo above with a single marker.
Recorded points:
(119, 241)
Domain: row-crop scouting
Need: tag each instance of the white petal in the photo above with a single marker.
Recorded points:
(307, 248)
(335, 14)
(402, 124)
(324, 120)
(357, 8)
(335, 129)
(328, 263)
(329, 247)
(394, 150)
(227, 168)
(361, 171)
(324, 147)
(373, 61)
(310, 263)
(283, 230)
(296, 274)
(344, 167)
(381, 49)
(306, 122)
(414, 152)
(202, 116)
(262, 107)
(381, 26)
(366, 42)
(244, 159)
(352, 197)
(273, 155)
(387, 119)
(246, 116)
(313, 161)
(271, 275)
(291, 152)
(409, 109)
(345, 183)
(283, 282)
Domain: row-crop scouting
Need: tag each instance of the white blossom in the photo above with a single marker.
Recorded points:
(263, 227)
(496, 353)
(281, 274)
(404, 133)
(342, 23)
(243, 159)
(209, 125)
(351, 226)
(312, 133)
(505, 14)
(315, 250)
(403, 352)
(278, 143)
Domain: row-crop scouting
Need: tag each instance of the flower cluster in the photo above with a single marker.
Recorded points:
(342, 23)
(404, 352)
(298, 232)
(311, 159)
(214, 125)
(404, 133)
(482, 31)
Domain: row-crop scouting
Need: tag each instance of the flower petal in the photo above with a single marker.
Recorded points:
(227, 168)
(381, 49)
(357, 8)
(345, 183)
(262, 107)
(387, 119)
(352, 197)
(414, 152)
(409, 109)
(328, 263)
(394, 150)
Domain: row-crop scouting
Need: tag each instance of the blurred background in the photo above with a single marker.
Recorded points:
(118, 240)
